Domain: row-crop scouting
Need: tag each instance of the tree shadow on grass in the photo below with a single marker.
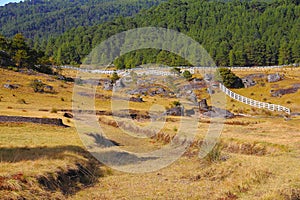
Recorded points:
(119, 158)
(67, 180)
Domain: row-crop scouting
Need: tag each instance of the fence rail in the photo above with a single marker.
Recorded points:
(252, 102)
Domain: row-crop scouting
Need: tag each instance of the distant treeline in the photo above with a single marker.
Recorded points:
(235, 33)
(38, 19)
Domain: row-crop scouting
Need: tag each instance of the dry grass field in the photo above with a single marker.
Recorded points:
(257, 157)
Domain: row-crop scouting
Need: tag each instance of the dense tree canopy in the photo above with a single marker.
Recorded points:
(235, 33)
(17, 53)
(41, 18)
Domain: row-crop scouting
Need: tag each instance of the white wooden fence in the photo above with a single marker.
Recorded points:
(253, 103)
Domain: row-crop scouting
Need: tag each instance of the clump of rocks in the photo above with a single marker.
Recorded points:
(108, 85)
(275, 77)
(11, 86)
(175, 111)
(212, 111)
(136, 99)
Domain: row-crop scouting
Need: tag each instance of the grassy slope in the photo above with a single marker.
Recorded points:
(36, 150)
(291, 76)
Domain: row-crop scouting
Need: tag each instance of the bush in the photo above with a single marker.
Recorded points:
(114, 77)
(37, 85)
(44, 69)
(176, 104)
(54, 110)
(228, 78)
(187, 75)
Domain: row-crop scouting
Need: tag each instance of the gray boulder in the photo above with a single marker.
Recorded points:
(189, 112)
(119, 84)
(212, 111)
(136, 99)
(107, 85)
(274, 77)
(10, 86)
(248, 82)
(203, 105)
(68, 115)
(176, 111)
(218, 112)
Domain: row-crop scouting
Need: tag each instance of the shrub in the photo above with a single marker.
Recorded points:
(228, 78)
(114, 77)
(37, 85)
(187, 75)
(54, 110)
(62, 99)
(176, 104)
(44, 69)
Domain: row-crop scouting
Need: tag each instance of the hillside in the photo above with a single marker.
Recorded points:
(258, 157)
(42, 18)
(235, 33)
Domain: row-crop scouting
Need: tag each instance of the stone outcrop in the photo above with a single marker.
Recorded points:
(176, 111)
(107, 85)
(281, 92)
(218, 112)
(212, 111)
(36, 120)
(274, 77)
(68, 115)
(136, 99)
(248, 82)
(11, 86)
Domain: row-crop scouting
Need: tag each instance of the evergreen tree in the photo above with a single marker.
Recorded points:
(284, 56)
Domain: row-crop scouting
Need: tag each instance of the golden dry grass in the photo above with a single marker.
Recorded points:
(259, 156)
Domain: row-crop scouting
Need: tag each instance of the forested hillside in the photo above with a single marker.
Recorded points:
(15, 53)
(235, 33)
(42, 18)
